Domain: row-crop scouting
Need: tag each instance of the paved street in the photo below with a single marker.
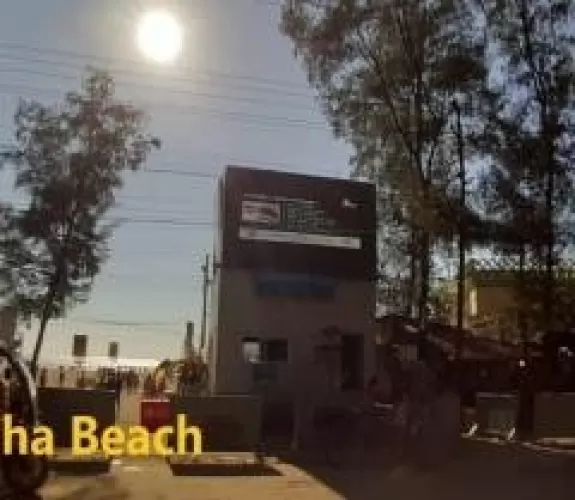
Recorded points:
(483, 472)
(152, 479)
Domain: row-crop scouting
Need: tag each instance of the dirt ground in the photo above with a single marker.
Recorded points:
(483, 471)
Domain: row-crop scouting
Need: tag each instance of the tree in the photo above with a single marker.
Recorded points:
(510, 198)
(69, 161)
(534, 125)
(190, 372)
(387, 72)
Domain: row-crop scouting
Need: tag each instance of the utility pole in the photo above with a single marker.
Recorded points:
(462, 204)
(206, 284)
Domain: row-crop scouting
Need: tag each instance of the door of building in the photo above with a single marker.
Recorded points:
(352, 362)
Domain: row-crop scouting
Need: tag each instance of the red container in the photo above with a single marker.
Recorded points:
(155, 413)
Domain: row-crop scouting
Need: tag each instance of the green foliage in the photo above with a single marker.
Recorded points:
(387, 73)
(69, 161)
(191, 371)
(529, 136)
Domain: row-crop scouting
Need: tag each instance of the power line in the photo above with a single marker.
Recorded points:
(123, 322)
(166, 328)
(126, 209)
(164, 285)
(215, 176)
(244, 117)
(200, 224)
(171, 90)
(182, 173)
(166, 222)
(266, 82)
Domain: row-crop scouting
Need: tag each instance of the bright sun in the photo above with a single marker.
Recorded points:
(160, 36)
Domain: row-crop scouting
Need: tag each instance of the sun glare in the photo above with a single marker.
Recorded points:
(160, 36)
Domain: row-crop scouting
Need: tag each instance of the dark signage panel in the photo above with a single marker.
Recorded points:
(292, 223)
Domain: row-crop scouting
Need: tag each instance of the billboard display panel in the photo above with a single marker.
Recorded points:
(293, 223)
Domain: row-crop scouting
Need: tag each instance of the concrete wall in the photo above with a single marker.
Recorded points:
(299, 320)
(554, 415)
(495, 300)
(228, 423)
(58, 406)
(496, 413)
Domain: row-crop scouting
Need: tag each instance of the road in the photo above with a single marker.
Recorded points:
(482, 472)
(153, 479)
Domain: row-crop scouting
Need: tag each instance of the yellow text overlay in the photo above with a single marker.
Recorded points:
(114, 441)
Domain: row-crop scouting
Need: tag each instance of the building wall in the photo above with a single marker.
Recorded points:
(242, 313)
(487, 305)
(494, 299)
(340, 210)
(491, 307)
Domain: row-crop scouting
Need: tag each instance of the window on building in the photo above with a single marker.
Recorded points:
(275, 351)
(251, 348)
(264, 351)
(351, 364)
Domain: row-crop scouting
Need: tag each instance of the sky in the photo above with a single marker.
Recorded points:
(236, 96)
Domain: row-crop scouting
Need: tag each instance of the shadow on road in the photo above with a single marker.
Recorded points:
(481, 471)
(101, 488)
(13, 496)
(80, 468)
(91, 489)
(220, 467)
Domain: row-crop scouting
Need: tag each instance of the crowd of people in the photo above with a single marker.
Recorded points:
(149, 382)
(105, 378)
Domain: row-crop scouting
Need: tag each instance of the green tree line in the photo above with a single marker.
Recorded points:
(420, 88)
(69, 161)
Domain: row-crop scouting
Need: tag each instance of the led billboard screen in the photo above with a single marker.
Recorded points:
(292, 223)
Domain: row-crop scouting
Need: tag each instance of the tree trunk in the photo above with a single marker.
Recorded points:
(410, 295)
(46, 314)
(521, 300)
(549, 293)
(424, 276)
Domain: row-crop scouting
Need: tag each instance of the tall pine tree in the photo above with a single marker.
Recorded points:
(387, 73)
